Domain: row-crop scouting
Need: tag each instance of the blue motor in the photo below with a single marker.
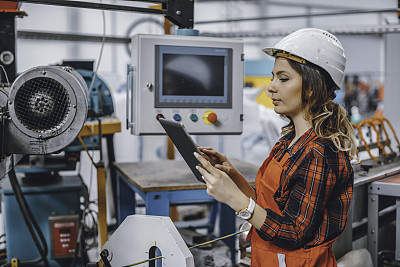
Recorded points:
(100, 100)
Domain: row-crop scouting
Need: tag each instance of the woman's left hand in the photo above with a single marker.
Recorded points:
(220, 186)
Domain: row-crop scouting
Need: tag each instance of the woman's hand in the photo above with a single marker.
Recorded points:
(220, 186)
(218, 160)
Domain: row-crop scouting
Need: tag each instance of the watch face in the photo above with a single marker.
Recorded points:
(244, 214)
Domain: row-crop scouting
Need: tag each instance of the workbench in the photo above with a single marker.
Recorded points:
(385, 187)
(356, 228)
(162, 184)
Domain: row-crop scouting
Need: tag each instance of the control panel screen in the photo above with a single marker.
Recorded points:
(188, 76)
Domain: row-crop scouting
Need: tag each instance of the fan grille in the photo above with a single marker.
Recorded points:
(42, 105)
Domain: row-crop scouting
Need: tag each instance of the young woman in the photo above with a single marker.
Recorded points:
(303, 189)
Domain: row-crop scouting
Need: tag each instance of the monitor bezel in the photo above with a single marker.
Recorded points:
(178, 101)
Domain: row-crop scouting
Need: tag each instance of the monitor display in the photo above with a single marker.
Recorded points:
(188, 76)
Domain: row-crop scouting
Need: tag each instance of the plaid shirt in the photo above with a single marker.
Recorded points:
(316, 186)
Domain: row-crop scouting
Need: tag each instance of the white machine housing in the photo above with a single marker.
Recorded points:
(137, 234)
(186, 78)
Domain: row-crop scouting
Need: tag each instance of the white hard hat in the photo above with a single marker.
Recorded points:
(316, 46)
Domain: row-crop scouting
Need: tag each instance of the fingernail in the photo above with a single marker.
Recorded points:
(196, 154)
(202, 177)
(197, 167)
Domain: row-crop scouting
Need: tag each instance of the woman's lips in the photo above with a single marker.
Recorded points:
(275, 101)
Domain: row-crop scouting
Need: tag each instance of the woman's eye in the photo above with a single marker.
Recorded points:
(284, 79)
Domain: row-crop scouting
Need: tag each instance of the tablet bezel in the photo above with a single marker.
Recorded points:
(184, 143)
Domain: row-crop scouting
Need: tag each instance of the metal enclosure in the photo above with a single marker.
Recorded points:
(144, 85)
(137, 235)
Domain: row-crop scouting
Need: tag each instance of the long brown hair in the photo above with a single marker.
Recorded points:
(328, 119)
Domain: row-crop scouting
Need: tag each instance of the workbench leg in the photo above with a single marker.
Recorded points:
(227, 225)
(373, 226)
(111, 160)
(158, 203)
(397, 229)
(126, 199)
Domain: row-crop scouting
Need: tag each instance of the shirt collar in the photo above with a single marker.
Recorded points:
(304, 139)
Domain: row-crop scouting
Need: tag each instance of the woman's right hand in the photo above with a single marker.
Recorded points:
(218, 160)
(221, 162)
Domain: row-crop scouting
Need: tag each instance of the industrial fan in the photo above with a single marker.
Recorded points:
(41, 113)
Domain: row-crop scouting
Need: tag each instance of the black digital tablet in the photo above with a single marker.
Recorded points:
(184, 143)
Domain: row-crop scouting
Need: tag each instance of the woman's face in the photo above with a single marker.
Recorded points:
(285, 89)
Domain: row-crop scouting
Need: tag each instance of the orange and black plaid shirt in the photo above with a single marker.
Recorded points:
(314, 194)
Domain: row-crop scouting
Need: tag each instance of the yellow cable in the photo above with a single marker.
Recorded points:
(195, 246)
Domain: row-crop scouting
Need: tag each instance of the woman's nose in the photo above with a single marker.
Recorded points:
(271, 88)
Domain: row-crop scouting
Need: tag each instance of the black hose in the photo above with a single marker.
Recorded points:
(29, 220)
(34, 222)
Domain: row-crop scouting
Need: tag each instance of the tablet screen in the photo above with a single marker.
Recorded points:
(184, 143)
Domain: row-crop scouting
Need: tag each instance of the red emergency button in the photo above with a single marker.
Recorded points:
(209, 117)
(212, 117)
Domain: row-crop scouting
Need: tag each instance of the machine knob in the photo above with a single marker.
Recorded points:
(209, 117)
(177, 117)
(194, 117)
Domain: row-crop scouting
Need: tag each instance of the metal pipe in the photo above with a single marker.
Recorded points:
(149, 1)
(277, 33)
(286, 4)
(347, 12)
(124, 40)
(70, 37)
(79, 4)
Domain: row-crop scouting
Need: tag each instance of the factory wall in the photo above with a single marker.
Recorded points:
(365, 53)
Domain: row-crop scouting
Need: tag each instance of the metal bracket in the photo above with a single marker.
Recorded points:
(104, 257)
(180, 12)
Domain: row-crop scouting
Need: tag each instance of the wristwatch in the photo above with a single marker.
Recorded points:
(246, 213)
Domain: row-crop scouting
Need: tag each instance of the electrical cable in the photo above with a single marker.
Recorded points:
(91, 213)
(101, 50)
(79, 240)
(5, 73)
(31, 223)
(194, 246)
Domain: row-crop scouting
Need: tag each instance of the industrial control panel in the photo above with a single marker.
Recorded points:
(191, 79)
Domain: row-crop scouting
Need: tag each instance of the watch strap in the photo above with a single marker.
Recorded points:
(250, 208)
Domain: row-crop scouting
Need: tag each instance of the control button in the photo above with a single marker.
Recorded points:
(194, 117)
(212, 117)
(177, 117)
(159, 115)
(209, 117)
